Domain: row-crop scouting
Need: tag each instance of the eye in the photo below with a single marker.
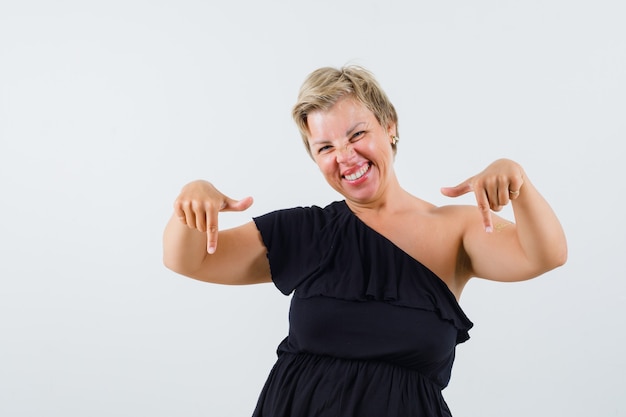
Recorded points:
(323, 149)
(358, 135)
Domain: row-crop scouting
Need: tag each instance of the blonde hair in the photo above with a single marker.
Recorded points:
(325, 86)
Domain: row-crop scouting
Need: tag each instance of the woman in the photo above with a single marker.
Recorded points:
(375, 278)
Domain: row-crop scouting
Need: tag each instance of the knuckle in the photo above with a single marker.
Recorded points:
(209, 205)
(483, 207)
(196, 205)
(185, 204)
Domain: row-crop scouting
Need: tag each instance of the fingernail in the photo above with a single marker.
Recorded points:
(211, 250)
(488, 229)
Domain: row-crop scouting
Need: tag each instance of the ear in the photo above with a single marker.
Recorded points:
(391, 130)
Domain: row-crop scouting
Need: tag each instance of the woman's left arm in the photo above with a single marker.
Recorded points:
(504, 251)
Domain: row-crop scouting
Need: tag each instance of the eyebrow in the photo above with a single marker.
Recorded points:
(348, 133)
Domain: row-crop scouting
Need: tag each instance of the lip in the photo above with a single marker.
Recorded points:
(354, 170)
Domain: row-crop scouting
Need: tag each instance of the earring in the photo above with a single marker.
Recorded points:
(394, 140)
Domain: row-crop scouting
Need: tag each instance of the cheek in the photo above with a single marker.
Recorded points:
(325, 164)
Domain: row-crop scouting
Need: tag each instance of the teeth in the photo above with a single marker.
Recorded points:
(358, 174)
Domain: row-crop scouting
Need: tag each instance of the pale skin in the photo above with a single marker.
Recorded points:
(353, 152)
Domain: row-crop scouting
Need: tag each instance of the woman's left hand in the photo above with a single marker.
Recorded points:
(493, 188)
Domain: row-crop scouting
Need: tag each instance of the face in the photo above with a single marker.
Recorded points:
(352, 150)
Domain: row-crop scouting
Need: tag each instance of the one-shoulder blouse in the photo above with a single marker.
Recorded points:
(372, 331)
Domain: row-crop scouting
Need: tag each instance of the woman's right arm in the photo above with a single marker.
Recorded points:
(190, 239)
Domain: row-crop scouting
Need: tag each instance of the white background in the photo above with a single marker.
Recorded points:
(108, 108)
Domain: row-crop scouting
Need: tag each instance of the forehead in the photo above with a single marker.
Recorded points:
(344, 115)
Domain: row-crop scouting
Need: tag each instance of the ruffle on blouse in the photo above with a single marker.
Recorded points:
(346, 259)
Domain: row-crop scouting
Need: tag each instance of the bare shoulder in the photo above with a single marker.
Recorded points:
(467, 216)
(455, 215)
(456, 229)
(436, 240)
(452, 209)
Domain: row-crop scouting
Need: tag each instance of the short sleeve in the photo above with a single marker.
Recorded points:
(292, 250)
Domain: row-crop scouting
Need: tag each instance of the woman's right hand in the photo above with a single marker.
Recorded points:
(198, 205)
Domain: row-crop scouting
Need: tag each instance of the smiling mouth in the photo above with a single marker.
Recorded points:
(356, 175)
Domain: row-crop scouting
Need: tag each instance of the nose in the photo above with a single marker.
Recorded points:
(345, 154)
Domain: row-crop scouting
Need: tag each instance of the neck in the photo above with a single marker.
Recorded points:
(391, 199)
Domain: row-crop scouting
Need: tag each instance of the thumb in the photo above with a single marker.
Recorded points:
(236, 205)
(458, 190)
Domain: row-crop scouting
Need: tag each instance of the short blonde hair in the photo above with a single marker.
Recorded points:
(325, 86)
